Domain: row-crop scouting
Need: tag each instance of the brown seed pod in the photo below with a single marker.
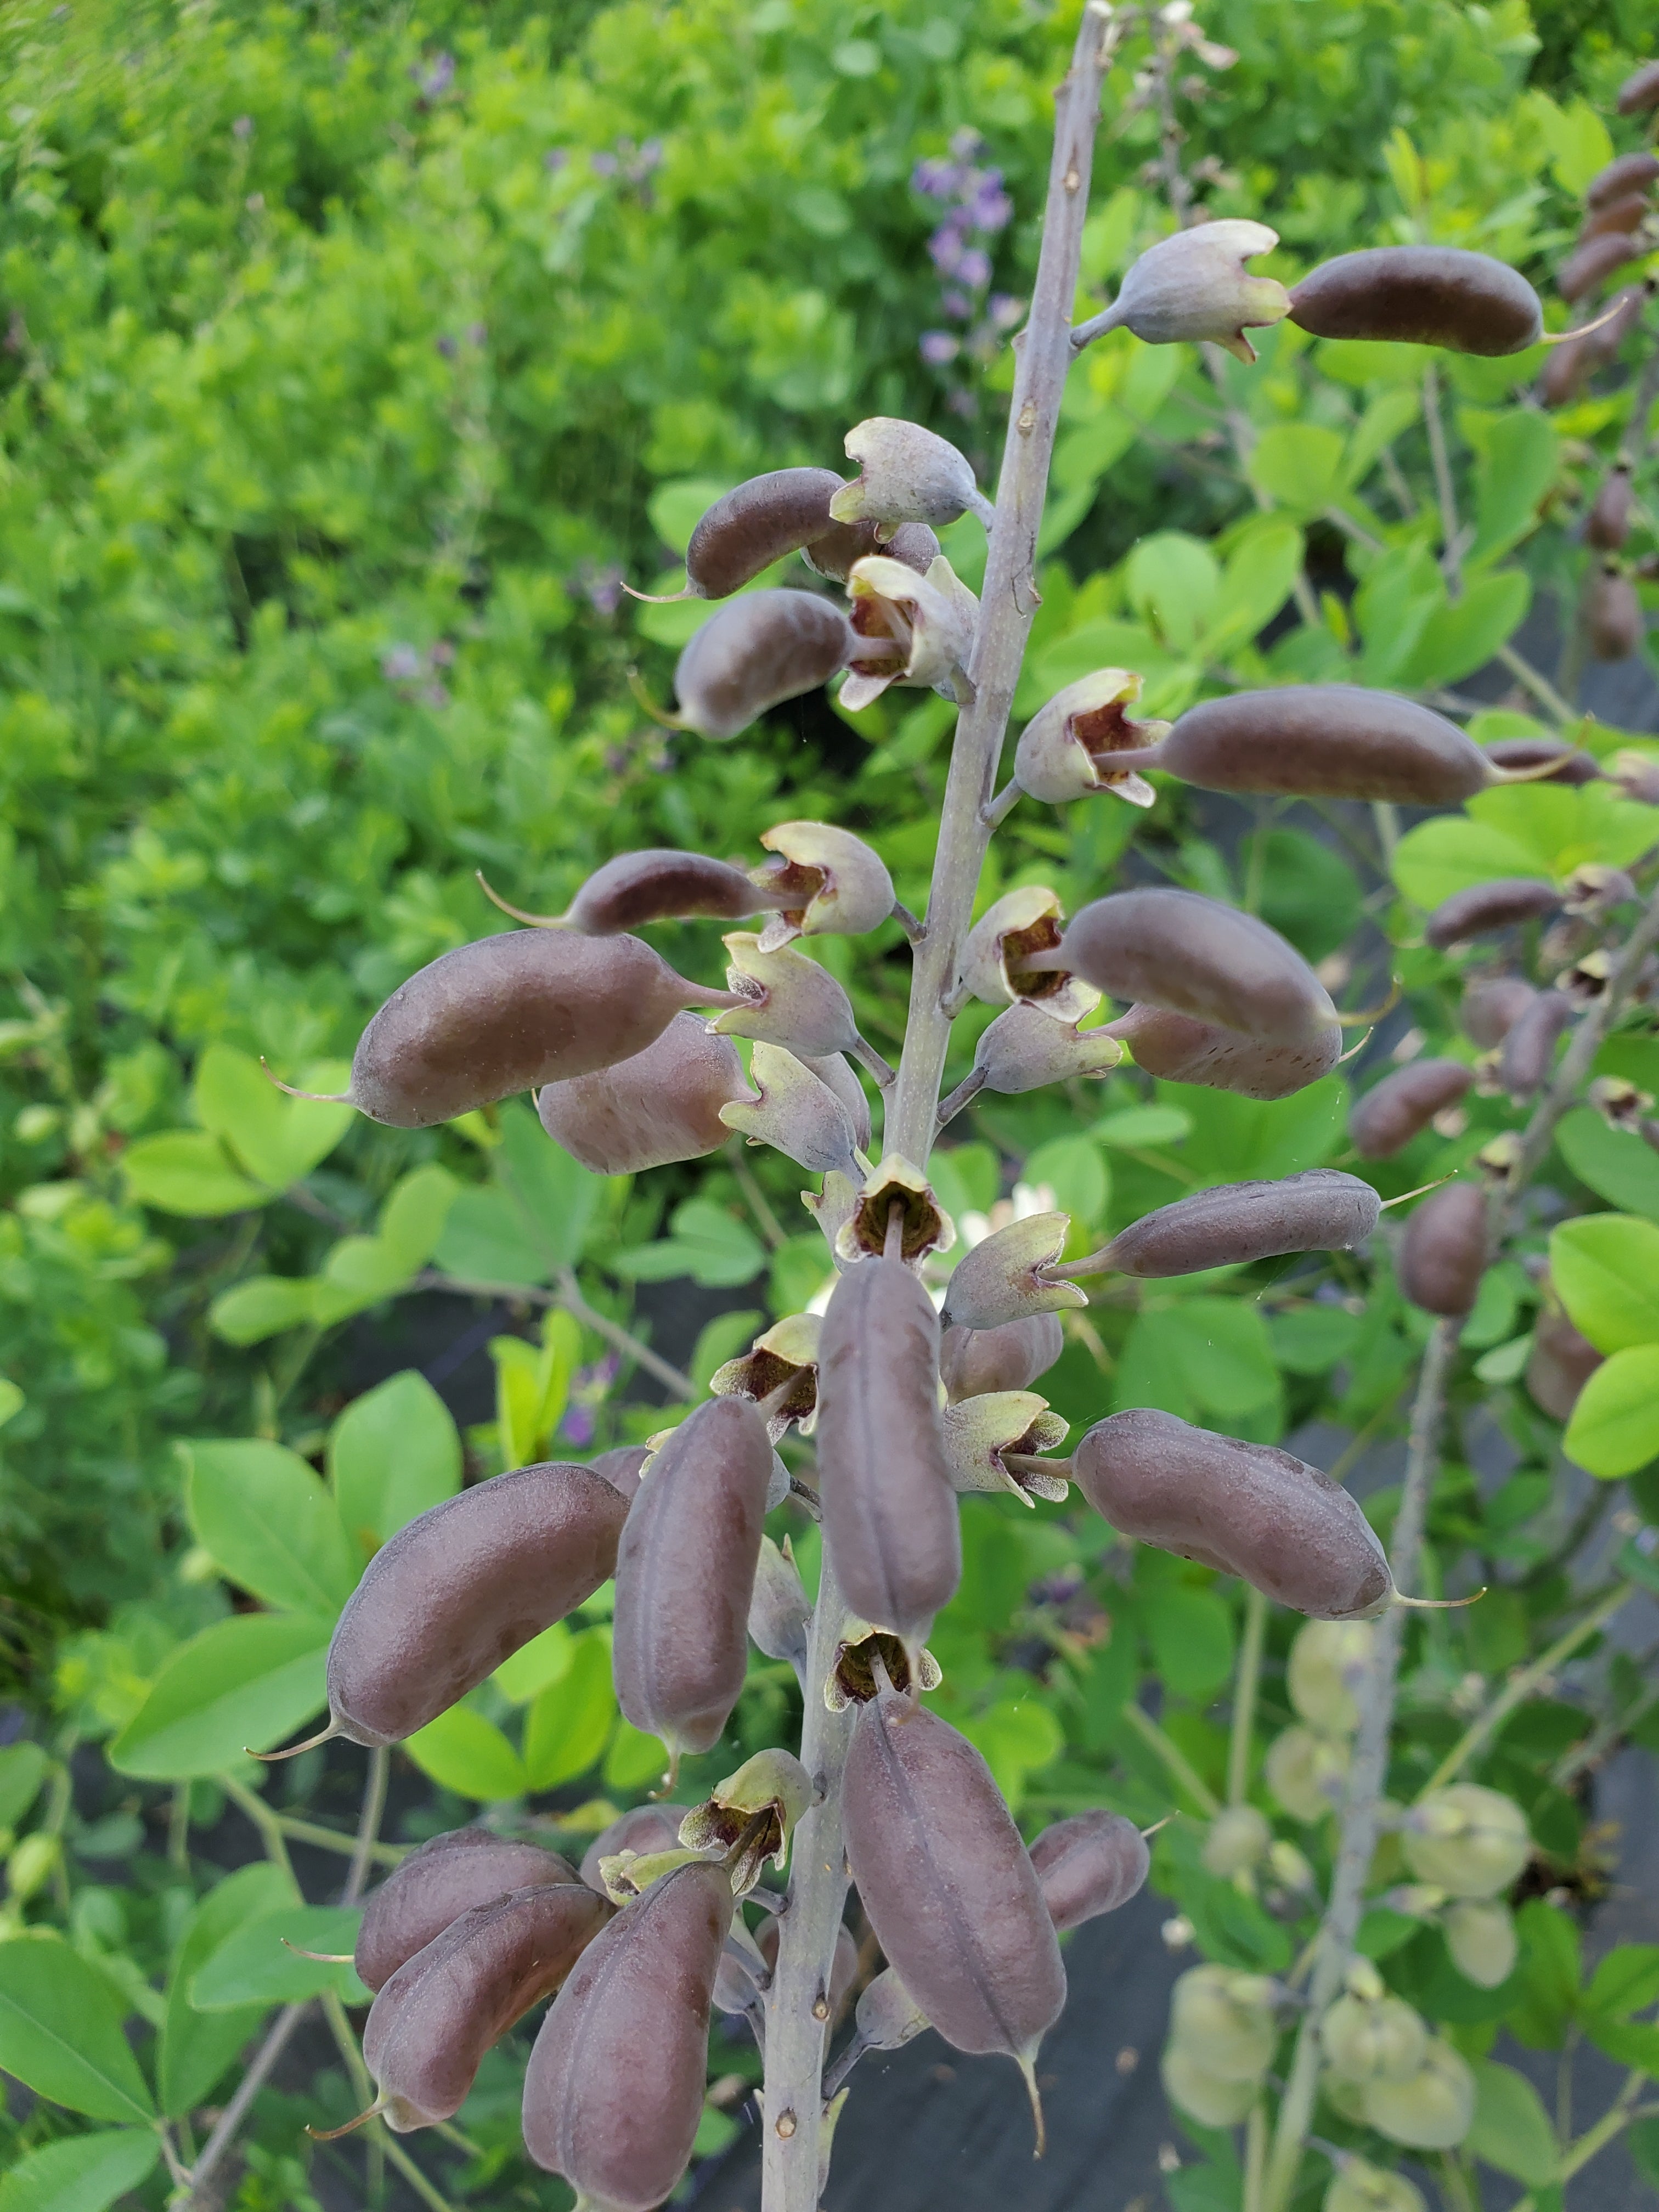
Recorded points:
(1613, 620)
(949, 1889)
(657, 886)
(1485, 907)
(1572, 765)
(1442, 1254)
(1180, 1050)
(644, 1830)
(973, 1362)
(1322, 741)
(1561, 1363)
(1627, 213)
(889, 1514)
(685, 1570)
(750, 527)
(758, 651)
(1492, 1006)
(1593, 261)
(1639, 92)
(462, 1586)
(447, 1876)
(1088, 1865)
(620, 1468)
(1320, 1210)
(662, 1104)
(1437, 295)
(614, 2090)
(843, 543)
(429, 2027)
(1401, 1106)
(1627, 172)
(1180, 950)
(1529, 1043)
(1245, 1508)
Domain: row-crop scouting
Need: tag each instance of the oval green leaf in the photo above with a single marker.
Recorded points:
(1614, 1429)
(60, 2031)
(269, 1522)
(196, 2050)
(1605, 1267)
(393, 1453)
(464, 1752)
(248, 1681)
(259, 1963)
(82, 2173)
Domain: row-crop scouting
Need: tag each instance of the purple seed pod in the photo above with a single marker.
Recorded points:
(1180, 950)
(912, 630)
(1593, 262)
(889, 1514)
(1528, 1049)
(1241, 1508)
(622, 1466)
(685, 1570)
(756, 651)
(509, 1013)
(1638, 93)
(614, 2090)
(430, 2026)
(1626, 213)
(793, 1112)
(833, 554)
(1066, 750)
(750, 527)
(990, 1441)
(743, 1972)
(1001, 955)
(1561, 1363)
(907, 474)
(1322, 741)
(1627, 172)
(1194, 286)
(1572, 765)
(662, 1104)
(1321, 1209)
(1613, 620)
(644, 1830)
(888, 2016)
(1401, 1106)
(1595, 890)
(822, 880)
(1443, 1253)
(461, 1587)
(785, 998)
(657, 886)
(1485, 907)
(446, 1877)
(1492, 1006)
(1088, 1865)
(1026, 1047)
(950, 1892)
(973, 1362)
(1180, 1050)
(833, 1069)
(1438, 295)
(1006, 1276)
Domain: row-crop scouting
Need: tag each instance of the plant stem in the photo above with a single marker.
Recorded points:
(568, 1295)
(254, 2077)
(1368, 1773)
(1173, 1759)
(368, 1825)
(1618, 2116)
(268, 1823)
(1249, 1676)
(1451, 556)
(765, 1220)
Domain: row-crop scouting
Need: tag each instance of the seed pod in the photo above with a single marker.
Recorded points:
(1438, 295)
(1529, 1043)
(1608, 524)
(1193, 286)
(750, 527)
(1613, 619)
(1485, 907)
(833, 1070)
(1637, 775)
(447, 1876)
(790, 1110)
(1639, 92)
(1242, 1508)
(1401, 1106)
(644, 1830)
(1377, 2039)
(1238, 1840)
(920, 631)
(462, 1586)
(1468, 1840)
(684, 1571)
(1593, 262)
(1326, 1665)
(779, 1612)
(614, 2090)
(1442, 1254)
(657, 885)
(952, 1895)
(1482, 1942)
(1492, 1006)
(822, 879)
(1005, 1278)
(973, 1361)
(1627, 213)
(1026, 1048)
(758, 651)
(1306, 1772)
(888, 2016)
(1002, 957)
(509, 1013)
(660, 1105)
(833, 554)
(1066, 750)
(1359, 2186)
(783, 997)
(1177, 949)
(1572, 765)
(1627, 172)
(1322, 741)
(1432, 2109)
(1211, 2099)
(981, 1433)
(1180, 1050)
(1224, 2020)
(1320, 1210)
(889, 1514)
(1560, 1363)
(905, 474)
(1088, 1865)
(430, 2026)
(743, 1971)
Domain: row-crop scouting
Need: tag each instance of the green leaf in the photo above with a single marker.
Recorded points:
(255, 1966)
(532, 1386)
(721, 1340)
(710, 1245)
(11, 1399)
(1016, 1740)
(1614, 1428)
(1577, 138)
(1389, 416)
(464, 1752)
(1074, 1169)
(1561, 827)
(1511, 2131)
(1625, 1981)
(81, 2174)
(22, 1770)
(1230, 1362)
(487, 1238)
(1463, 635)
(546, 1658)
(1261, 570)
(197, 2053)
(1191, 1634)
(1548, 1972)
(1175, 580)
(1392, 608)
(60, 2031)
(1312, 1339)
(800, 1267)
(1299, 465)
(556, 1194)
(412, 1219)
(1451, 852)
(270, 1524)
(1136, 1127)
(966, 1178)
(1605, 1267)
(1615, 1164)
(569, 1724)
(277, 1139)
(249, 1681)
(634, 1758)
(1514, 469)
(676, 506)
(1631, 2042)
(262, 1306)
(188, 1171)
(393, 1453)
(1308, 894)
(1234, 1139)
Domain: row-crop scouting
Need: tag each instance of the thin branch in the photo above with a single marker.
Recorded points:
(1175, 1762)
(226, 2127)
(568, 1296)
(1002, 806)
(1540, 686)
(765, 1220)
(870, 1060)
(1451, 553)
(368, 1825)
(1245, 1696)
(964, 1095)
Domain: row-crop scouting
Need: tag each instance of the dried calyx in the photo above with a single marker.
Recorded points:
(995, 1441)
(1066, 750)
(781, 1369)
(922, 1225)
(751, 1815)
(822, 879)
(1194, 286)
(907, 474)
(1008, 958)
(855, 1675)
(908, 629)
(793, 1110)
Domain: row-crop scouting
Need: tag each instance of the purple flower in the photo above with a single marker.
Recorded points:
(554, 159)
(973, 269)
(1005, 310)
(442, 654)
(578, 1427)
(434, 694)
(967, 145)
(946, 247)
(991, 207)
(935, 178)
(242, 127)
(604, 165)
(601, 587)
(958, 304)
(437, 79)
(447, 347)
(940, 346)
(476, 334)
(650, 158)
(400, 663)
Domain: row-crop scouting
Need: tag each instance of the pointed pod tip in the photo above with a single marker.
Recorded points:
(530, 920)
(274, 1757)
(660, 598)
(333, 2135)
(1026, 2062)
(317, 1097)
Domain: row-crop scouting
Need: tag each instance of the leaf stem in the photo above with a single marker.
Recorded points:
(568, 1295)
(1244, 1695)
(258, 2071)
(1179, 1768)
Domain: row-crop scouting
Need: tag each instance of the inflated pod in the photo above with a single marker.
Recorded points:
(685, 1570)
(949, 1887)
(1193, 286)
(753, 526)
(1560, 1363)
(889, 1514)
(662, 1104)
(1192, 954)
(1088, 1865)
(1627, 172)
(462, 1586)
(1571, 764)
(844, 542)
(1639, 92)
(1322, 741)
(1485, 907)
(660, 885)
(1442, 1254)
(1613, 619)
(1593, 261)
(1321, 1209)
(447, 1876)
(1626, 214)
(509, 1013)
(833, 1070)
(1438, 295)
(643, 1829)
(1492, 1006)
(888, 2016)
(1401, 1106)
(1528, 1048)
(430, 2026)
(1026, 1047)
(1180, 1050)
(614, 2089)
(758, 651)
(622, 1466)
(1244, 1508)
(974, 1361)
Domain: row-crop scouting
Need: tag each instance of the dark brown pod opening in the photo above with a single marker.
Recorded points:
(1437, 295)
(1485, 907)
(1325, 741)
(1442, 1254)
(1401, 1106)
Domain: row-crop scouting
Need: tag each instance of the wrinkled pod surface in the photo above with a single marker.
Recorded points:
(443, 1878)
